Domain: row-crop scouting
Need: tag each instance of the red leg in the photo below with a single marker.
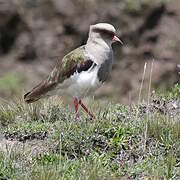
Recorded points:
(86, 109)
(76, 108)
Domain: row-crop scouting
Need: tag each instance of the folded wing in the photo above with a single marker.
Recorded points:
(75, 61)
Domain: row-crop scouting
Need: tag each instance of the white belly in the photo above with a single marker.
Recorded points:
(80, 84)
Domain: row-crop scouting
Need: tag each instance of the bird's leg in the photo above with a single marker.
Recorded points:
(86, 109)
(76, 103)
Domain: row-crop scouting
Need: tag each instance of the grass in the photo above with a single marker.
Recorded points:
(43, 140)
(11, 84)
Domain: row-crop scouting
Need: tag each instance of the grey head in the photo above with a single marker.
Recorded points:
(101, 37)
(102, 32)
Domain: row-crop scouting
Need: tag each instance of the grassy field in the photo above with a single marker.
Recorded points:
(44, 141)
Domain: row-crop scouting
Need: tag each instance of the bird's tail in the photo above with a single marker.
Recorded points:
(30, 98)
(40, 91)
(32, 95)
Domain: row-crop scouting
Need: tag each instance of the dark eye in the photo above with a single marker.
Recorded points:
(110, 35)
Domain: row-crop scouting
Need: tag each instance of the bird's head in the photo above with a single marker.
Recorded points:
(104, 31)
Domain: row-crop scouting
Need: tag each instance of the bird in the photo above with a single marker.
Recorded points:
(82, 71)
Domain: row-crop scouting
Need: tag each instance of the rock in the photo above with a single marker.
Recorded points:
(9, 31)
(64, 7)
(26, 50)
(44, 31)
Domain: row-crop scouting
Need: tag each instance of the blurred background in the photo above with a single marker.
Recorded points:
(34, 34)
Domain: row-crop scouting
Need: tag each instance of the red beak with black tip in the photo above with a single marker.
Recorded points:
(116, 39)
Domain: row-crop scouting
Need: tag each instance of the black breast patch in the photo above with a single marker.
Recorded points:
(104, 70)
(85, 66)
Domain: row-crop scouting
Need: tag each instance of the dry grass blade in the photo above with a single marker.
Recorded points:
(141, 86)
(148, 103)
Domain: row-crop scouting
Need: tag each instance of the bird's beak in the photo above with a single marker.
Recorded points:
(116, 39)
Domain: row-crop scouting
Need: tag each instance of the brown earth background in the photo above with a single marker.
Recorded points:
(34, 34)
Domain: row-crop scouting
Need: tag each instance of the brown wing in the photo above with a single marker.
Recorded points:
(75, 61)
(39, 91)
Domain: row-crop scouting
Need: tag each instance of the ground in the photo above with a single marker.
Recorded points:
(44, 141)
(136, 132)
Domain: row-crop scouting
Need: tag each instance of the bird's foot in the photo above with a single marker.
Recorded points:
(77, 117)
(76, 105)
(92, 117)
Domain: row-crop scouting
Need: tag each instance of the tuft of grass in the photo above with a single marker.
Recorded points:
(10, 83)
(174, 93)
(164, 129)
(44, 141)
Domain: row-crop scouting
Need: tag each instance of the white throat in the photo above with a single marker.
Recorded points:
(98, 49)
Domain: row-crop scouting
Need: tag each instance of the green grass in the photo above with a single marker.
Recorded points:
(46, 142)
(11, 84)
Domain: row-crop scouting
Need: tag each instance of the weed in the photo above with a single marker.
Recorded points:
(43, 141)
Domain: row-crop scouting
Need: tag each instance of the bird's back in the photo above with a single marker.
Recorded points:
(75, 61)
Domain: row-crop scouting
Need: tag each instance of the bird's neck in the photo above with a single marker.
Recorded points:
(99, 49)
